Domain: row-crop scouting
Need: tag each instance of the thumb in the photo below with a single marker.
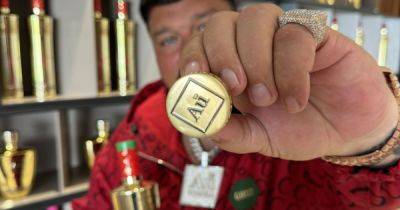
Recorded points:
(244, 134)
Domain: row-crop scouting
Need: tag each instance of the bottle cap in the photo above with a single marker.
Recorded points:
(125, 145)
(199, 105)
(98, 10)
(122, 9)
(4, 6)
(10, 140)
(38, 7)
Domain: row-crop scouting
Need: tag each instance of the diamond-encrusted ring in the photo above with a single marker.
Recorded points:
(313, 20)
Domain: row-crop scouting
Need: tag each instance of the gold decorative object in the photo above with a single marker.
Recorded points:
(356, 3)
(10, 54)
(133, 194)
(102, 27)
(42, 52)
(198, 105)
(94, 146)
(125, 36)
(331, 2)
(17, 168)
(383, 46)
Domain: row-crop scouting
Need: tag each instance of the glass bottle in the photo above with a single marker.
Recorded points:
(10, 54)
(92, 147)
(133, 194)
(125, 42)
(42, 51)
(102, 28)
(17, 169)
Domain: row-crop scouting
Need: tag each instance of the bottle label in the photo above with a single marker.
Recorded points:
(128, 159)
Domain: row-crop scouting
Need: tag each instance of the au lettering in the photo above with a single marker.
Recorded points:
(199, 106)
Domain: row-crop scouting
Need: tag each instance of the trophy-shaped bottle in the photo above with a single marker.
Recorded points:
(17, 168)
(133, 194)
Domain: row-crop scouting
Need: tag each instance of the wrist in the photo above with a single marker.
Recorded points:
(377, 138)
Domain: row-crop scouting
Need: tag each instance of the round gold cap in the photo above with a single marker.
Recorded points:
(198, 105)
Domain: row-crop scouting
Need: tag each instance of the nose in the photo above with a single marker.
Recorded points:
(186, 36)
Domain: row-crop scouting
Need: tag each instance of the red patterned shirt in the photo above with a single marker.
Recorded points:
(282, 185)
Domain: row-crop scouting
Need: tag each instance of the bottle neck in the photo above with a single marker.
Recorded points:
(103, 128)
(11, 141)
(98, 9)
(4, 7)
(103, 134)
(128, 164)
(98, 14)
(130, 181)
(4, 10)
(122, 9)
(38, 7)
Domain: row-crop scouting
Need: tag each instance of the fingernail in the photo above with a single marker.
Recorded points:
(192, 67)
(260, 95)
(292, 105)
(229, 78)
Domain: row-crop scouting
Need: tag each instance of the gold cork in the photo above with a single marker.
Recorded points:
(199, 105)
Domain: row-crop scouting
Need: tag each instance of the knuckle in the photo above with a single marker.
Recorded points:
(222, 16)
(269, 9)
(293, 32)
(219, 19)
(283, 34)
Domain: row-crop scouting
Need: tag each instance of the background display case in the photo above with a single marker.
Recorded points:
(57, 128)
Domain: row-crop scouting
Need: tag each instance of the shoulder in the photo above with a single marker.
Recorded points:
(151, 93)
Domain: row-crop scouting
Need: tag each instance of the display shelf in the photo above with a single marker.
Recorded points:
(310, 4)
(45, 199)
(9, 107)
(78, 176)
(44, 193)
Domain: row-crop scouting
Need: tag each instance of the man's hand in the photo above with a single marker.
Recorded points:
(300, 101)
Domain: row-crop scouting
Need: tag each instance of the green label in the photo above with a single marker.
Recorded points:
(243, 194)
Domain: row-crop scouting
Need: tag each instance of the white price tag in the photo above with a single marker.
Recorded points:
(201, 186)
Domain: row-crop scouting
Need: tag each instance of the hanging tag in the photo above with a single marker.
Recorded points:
(201, 185)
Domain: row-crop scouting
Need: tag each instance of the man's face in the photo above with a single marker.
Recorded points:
(171, 25)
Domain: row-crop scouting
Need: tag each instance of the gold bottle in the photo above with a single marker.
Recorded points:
(133, 194)
(125, 36)
(359, 39)
(102, 28)
(94, 146)
(383, 46)
(42, 51)
(10, 54)
(356, 3)
(17, 168)
(331, 2)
